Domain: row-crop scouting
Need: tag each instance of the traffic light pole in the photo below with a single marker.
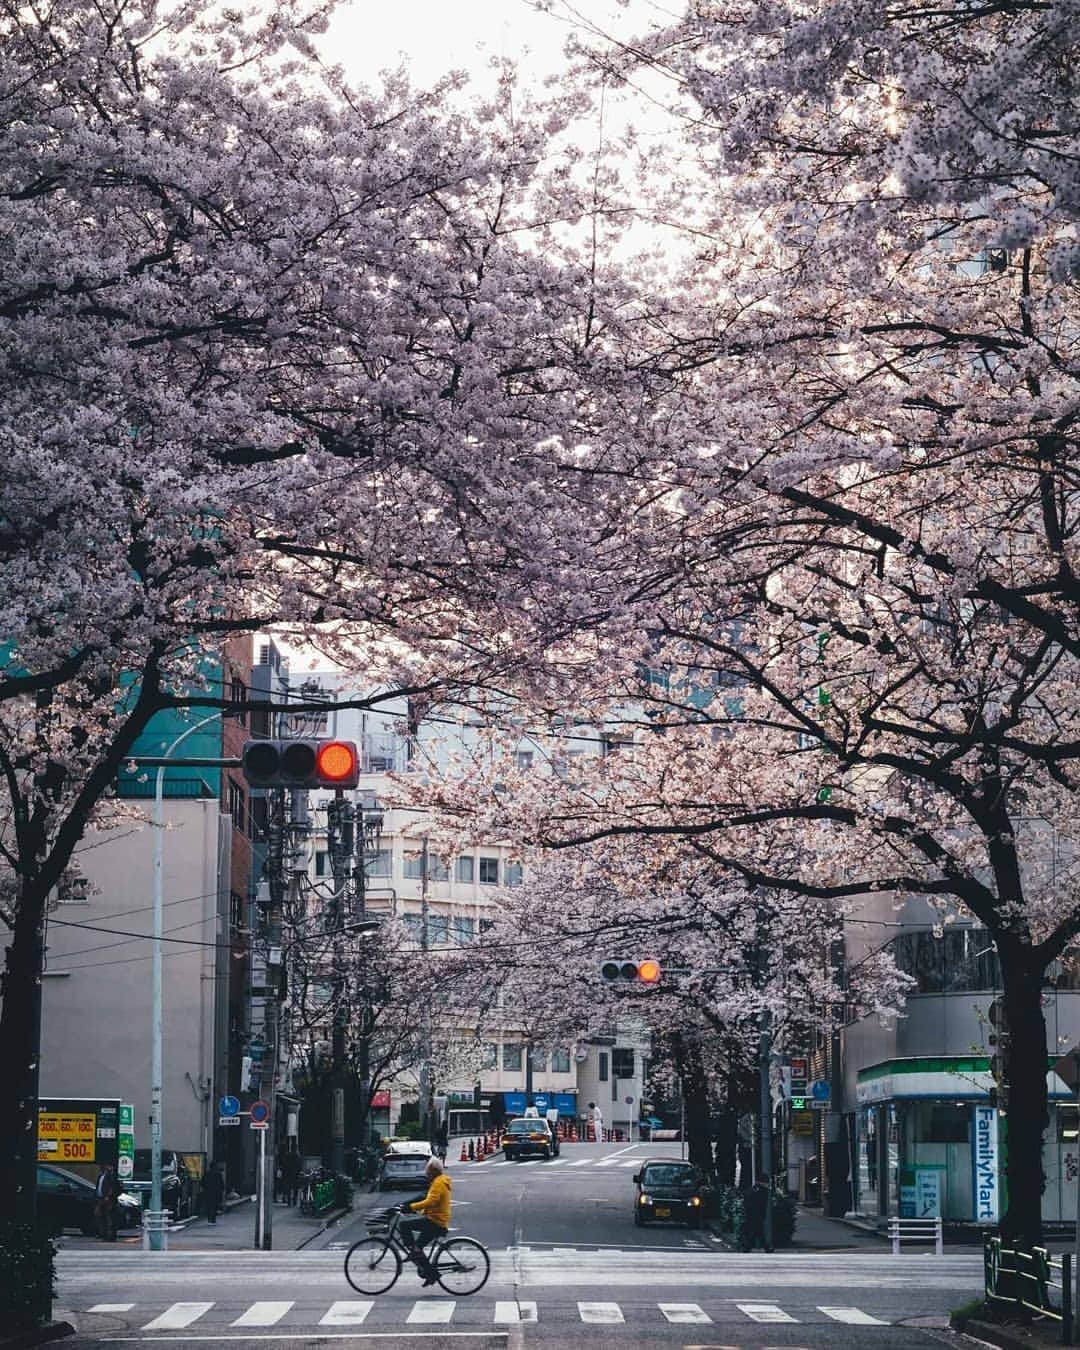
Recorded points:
(339, 835)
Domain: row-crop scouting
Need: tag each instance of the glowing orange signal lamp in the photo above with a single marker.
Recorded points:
(648, 971)
(336, 763)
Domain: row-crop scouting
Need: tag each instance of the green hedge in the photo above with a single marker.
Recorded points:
(27, 1276)
(728, 1209)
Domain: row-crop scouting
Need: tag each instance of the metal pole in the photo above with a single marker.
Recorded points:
(157, 1236)
(766, 1125)
(426, 1084)
(682, 1124)
(261, 1206)
(1076, 1235)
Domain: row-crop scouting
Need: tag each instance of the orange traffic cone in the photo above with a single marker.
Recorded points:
(464, 1156)
(573, 1134)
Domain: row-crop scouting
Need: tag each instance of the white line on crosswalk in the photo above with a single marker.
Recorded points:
(346, 1313)
(765, 1312)
(510, 1311)
(600, 1312)
(178, 1315)
(684, 1312)
(111, 1307)
(581, 1162)
(854, 1316)
(441, 1310)
(263, 1314)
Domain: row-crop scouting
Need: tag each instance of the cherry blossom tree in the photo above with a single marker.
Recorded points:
(276, 351)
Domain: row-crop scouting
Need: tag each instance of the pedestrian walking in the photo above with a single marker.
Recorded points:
(105, 1204)
(290, 1175)
(755, 1205)
(597, 1122)
(213, 1192)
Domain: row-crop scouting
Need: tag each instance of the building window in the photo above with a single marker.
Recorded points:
(236, 807)
(560, 1061)
(464, 929)
(237, 694)
(322, 863)
(601, 1061)
(960, 960)
(511, 1055)
(490, 1058)
(489, 871)
(412, 926)
(437, 870)
(538, 1055)
(438, 928)
(379, 863)
(523, 759)
(414, 864)
(622, 1062)
(486, 925)
(465, 869)
(513, 874)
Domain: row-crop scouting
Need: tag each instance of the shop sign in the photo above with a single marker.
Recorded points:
(380, 1101)
(802, 1122)
(987, 1184)
(125, 1156)
(65, 1136)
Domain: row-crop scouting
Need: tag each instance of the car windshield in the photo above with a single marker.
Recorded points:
(528, 1127)
(667, 1175)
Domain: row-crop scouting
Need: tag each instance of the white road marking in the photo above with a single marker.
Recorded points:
(111, 1307)
(684, 1312)
(441, 1310)
(582, 1162)
(346, 1313)
(263, 1314)
(178, 1315)
(600, 1312)
(765, 1312)
(509, 1311)
(634, 1162)
(854, 1316)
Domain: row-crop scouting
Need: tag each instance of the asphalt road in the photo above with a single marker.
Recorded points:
(568, 1269)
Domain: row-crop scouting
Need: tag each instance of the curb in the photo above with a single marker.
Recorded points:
(52, 1331)
(1006, 1338)
(331, 1217)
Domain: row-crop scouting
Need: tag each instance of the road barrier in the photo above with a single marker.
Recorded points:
(923, 1231)
(1030, 1282)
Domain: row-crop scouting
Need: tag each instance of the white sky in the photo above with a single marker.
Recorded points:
(434, 36)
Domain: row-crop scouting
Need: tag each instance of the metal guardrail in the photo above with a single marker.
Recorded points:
(1026, 1281)
(916, 1230)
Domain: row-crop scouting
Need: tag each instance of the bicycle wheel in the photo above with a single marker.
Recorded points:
(462, 1265)
(372, 1265)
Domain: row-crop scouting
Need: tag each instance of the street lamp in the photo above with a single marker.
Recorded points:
(156, 1233)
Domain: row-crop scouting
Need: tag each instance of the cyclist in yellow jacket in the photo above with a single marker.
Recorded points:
(433, 1220)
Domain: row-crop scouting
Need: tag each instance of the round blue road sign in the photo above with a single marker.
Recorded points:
(229, 1106)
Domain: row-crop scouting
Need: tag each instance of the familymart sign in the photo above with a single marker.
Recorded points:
(984, 1162)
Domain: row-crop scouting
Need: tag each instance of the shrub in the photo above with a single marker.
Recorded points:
(729, 1214)
(27, 1276)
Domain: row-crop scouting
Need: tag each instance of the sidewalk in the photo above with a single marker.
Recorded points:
(235, 1228)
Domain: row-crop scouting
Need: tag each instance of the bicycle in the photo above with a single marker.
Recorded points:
(373, 1264)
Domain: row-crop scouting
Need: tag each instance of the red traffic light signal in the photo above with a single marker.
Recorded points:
(302, 763)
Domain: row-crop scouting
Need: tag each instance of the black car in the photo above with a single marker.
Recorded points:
(176, 1184)
(669, 1189)
(528, 1136)
(65, 1200)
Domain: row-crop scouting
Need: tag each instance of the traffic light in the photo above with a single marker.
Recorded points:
(620, 968)
(300, 764)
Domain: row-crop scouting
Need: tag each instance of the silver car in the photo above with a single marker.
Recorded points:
(403, 1164)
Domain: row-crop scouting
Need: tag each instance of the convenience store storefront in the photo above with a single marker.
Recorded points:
(926, 1141)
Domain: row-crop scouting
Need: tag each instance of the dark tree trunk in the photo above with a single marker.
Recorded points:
(727, 1147)
(695, 1092)
(20, 1022)
(1026, 1116)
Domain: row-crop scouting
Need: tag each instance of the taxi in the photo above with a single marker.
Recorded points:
(528, 1137)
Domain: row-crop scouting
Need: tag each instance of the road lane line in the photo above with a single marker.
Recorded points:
(582, 1162)
(178, 1315)
(440, 1310)
(111, 1307)
(684, 1312)
(854, 1316)
(600, 1312)
(263, 1314)
(346, 1313)
(765, 1312)
(509, 1310)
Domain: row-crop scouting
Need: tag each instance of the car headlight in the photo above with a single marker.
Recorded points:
(644, 1199)
(695, 1200)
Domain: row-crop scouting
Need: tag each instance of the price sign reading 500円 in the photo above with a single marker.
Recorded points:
(65, 1136)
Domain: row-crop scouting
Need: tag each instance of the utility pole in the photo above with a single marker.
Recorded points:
(340, 835)
(426, 1084)
(765, 1065)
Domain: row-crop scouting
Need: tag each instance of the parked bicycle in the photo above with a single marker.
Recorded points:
(373, 1264)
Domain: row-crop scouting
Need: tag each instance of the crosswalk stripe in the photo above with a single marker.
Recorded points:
(111, 1307)
(263, 1314)
(346, 1313)
(854, 1316)
(511, 1311)
(432, 1310)
(600, 1312)
(581, 1162)
(178, 1315)
(765, 1312)
(684, 1312)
